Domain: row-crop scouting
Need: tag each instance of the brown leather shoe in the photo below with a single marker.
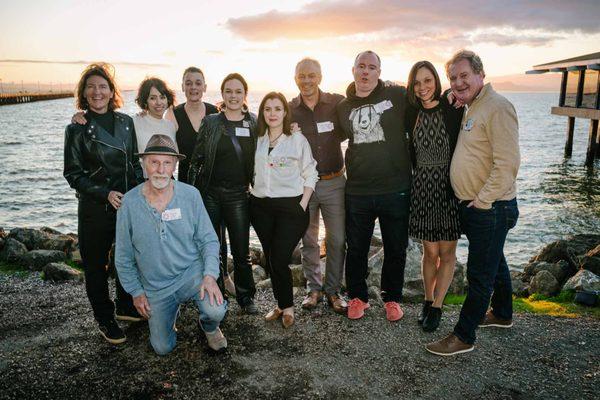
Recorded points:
(449, 346)
(311, 299)
(337, 303)
(490, 320)
(273, 314)
(287, 320)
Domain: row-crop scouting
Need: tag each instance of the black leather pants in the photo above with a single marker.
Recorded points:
(231, 205)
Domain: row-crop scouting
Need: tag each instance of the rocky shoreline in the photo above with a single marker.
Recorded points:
(569, 264)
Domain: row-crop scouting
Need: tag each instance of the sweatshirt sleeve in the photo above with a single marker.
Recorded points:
(124, 255)
(206, 239)
(503, 134)
(309, 165)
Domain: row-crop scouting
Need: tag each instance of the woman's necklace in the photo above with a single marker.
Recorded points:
(274, 141)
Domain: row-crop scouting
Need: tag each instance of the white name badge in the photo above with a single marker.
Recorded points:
(245, 124)
(171, 215)
(382, 106)
(326, 126)
(243, 132)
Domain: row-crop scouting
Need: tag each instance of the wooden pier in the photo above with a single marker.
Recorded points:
(579, 98)
(18, 98)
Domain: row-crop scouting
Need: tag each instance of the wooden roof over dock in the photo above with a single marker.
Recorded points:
(555, 66)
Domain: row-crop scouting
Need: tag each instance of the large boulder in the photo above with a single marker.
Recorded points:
(583, 280)
(296, 256)
(459, 281)
(257, 256)
(544, 283)
(520, 288)
(591, 260)
(265, 284)
(45, 240)
(375, 296)
(298, 279)
(58, 272)
(561, 270)
(258, 273)
(13, 250)
(35, 260)
(569, 249)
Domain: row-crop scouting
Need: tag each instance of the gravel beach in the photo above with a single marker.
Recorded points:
(50, 348)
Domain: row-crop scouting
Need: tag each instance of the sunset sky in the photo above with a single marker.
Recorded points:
(51, 41)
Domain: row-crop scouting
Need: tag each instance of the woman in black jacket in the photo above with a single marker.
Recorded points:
(222, 168)
(101, 165)
(433, 125)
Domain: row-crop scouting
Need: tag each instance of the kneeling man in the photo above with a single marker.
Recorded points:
(167, 251)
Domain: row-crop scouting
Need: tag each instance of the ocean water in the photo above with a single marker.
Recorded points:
(557, 196)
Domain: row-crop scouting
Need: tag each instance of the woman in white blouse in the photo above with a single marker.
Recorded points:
(284, 179)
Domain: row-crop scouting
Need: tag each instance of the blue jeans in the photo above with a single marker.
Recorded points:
(487, 271)
(361, 211)
(163, 314)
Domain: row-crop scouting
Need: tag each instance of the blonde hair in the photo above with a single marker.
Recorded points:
(474, 61)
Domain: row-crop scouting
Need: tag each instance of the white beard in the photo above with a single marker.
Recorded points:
(160, 182)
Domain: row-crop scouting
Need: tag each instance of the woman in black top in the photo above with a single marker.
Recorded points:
(222, 168)
(189, 116)
(433, 126)
(101, 165)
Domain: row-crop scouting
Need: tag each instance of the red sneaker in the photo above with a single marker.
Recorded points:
(356, 308)
(393, 312)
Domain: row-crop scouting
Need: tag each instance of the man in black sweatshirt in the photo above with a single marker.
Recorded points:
(378, 186)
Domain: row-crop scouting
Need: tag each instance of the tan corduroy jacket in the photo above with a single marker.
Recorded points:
(487, 157)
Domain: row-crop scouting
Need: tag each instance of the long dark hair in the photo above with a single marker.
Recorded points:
(144, 92)
(411, 81)
(103, 70)
(287, 118)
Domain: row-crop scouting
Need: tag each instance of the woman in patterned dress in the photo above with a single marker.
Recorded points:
(433, 125)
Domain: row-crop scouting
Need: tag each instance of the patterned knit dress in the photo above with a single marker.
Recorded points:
(434, 208)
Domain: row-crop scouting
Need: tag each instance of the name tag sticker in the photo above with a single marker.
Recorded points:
(326, 126)
(171, 215)
(382, 106)
(245, 124)
(243, 132)
(468, 125)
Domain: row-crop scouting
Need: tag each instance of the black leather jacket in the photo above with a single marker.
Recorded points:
(97, 162)
(203, 158)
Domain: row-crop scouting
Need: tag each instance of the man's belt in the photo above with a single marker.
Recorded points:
(331, 175)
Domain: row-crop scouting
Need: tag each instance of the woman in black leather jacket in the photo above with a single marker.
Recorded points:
(101, 165)
(222, 168)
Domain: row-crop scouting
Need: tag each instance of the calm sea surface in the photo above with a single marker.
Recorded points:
(557, 197)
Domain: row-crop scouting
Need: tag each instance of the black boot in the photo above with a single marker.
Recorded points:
(432, 320)
(426, 306)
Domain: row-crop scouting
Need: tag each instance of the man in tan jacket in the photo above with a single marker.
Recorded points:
(483, 175)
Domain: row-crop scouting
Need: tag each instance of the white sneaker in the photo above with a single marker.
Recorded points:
(216, 340)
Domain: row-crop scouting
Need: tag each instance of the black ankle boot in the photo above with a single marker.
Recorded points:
(426, 306)
(432, 320)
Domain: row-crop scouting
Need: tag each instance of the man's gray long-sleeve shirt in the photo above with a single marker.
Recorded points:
(157, 253)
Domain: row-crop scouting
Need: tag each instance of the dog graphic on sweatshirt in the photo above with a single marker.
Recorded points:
(365, 124)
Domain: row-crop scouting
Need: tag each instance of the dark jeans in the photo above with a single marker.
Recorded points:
(487, 270)
(96, 230)
(361, 211)
(279, 223)
(230, 205)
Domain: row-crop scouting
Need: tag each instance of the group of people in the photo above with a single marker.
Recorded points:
(426, 164)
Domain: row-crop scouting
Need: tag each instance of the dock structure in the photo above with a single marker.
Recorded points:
(579, 97)
(18, 98)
